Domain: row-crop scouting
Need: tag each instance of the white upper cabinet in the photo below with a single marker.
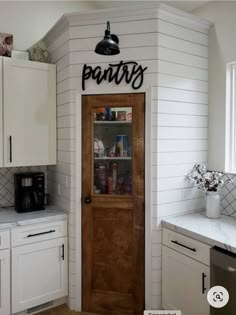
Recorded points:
(1, 117)
(29, 113)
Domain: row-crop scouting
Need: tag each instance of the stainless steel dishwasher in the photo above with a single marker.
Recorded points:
(223, 273)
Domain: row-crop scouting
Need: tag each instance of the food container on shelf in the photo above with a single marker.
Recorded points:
(122, 145)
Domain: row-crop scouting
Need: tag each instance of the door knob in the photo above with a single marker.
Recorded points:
(87, 199)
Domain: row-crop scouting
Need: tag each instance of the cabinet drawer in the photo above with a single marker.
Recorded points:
(188, 246)
(4, 239)
(38, 232)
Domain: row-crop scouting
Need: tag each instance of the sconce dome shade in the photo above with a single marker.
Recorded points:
(109, 45)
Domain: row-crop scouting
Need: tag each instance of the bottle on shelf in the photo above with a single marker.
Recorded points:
(102, 179)
(114, 175)
(108, 114)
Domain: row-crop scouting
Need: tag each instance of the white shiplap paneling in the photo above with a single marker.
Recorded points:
(177, 158)
(182, 33)
(178, 95)
(171, 170)
(182, 45)
(176, 54)
(172, 107)
(178, 57)
(185, 71)
(181, 133)
(177, 82)
(180, 145)
(173, 120)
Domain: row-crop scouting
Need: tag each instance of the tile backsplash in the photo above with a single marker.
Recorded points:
(7, 182)
(228, 196)
(228, 193)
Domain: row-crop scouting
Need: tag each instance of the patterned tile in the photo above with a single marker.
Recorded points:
(7, 182)
(228, 196)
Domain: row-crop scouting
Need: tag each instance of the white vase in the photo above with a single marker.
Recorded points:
(213, 204)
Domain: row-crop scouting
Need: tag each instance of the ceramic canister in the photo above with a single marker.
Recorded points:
(213, 204)
(122, 145)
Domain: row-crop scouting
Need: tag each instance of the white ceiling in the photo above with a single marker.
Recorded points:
(182, 5)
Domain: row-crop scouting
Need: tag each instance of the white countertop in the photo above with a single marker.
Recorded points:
(215, 232)
(10, 218)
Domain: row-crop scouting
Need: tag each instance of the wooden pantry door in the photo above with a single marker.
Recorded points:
(113, 204)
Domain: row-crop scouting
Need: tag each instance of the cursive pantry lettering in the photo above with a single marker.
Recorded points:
(129, 71)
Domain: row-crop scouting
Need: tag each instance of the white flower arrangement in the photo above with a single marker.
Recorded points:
(207, 180)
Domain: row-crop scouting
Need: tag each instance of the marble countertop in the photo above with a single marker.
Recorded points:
(10, 218)
(215, 232)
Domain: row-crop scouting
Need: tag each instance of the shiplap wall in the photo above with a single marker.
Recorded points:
(174, 46)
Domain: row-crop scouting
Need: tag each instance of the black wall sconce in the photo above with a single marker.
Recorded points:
(109, 45)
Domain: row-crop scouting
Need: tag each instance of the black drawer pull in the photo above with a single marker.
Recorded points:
(203, 283)
(63, 252)
(190, 248)
(10, 142)
(37, 234)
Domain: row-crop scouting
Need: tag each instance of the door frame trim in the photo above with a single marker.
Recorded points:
(148, 191)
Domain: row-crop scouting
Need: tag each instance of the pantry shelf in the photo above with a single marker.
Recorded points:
(114, 158)
(113, 123)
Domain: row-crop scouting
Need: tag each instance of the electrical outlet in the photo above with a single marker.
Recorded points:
(59, 189)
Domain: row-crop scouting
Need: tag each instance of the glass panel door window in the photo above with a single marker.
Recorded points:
(112, 135)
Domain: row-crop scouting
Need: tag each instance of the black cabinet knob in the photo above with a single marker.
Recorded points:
(87, 200)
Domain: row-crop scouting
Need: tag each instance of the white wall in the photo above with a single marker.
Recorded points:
(222, 49)
(28, 21)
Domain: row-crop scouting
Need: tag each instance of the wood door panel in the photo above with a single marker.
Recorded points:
(113, 225)
(113, 305)
(112, 249)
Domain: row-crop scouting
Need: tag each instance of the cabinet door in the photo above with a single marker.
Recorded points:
(5, 282)
(29, 113)
(185, 283)
(1, 117)
(39, 273)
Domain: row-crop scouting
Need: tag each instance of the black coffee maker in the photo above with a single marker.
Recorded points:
(29, 191)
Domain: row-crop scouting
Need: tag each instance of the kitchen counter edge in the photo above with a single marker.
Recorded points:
(9, 218)
(214, 232)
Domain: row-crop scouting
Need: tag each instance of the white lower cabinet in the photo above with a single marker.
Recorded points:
(5, 282)
(185, 283)
(39, 273)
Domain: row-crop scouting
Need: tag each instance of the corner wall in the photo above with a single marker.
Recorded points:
(176, 53)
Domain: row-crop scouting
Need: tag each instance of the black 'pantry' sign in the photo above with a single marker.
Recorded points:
(130, 71)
